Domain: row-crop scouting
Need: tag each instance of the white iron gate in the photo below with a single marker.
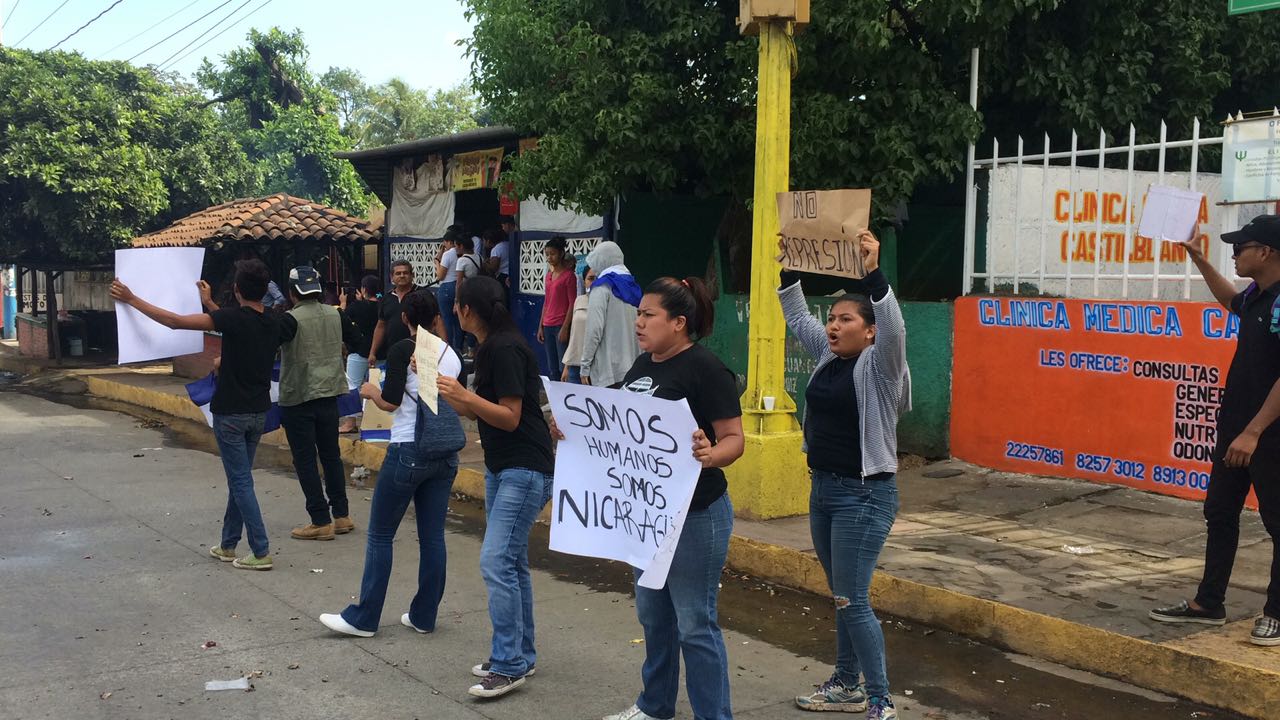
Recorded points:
(1057, 227)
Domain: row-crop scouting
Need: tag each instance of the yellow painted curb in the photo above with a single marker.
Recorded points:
(167, 403)
(1163, 667)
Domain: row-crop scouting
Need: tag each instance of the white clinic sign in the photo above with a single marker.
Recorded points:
(1251, 160)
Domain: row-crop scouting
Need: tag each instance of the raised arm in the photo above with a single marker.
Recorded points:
(169, 319)
(1223, 289)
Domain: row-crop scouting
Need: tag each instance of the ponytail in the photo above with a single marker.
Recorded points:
(690, 298)
(485, 298)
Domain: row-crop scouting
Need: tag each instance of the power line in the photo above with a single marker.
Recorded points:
(210, 29)
(144, 32)
(12, 10)
(184, 27)
(42, 22)
(222, 31)
(95, 19)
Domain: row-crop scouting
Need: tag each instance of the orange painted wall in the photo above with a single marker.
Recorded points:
(1109, 391)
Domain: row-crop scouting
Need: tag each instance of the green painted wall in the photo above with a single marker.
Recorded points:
(924, 430)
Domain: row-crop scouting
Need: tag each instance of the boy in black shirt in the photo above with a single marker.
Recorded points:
(1248, 451)
(250, 338)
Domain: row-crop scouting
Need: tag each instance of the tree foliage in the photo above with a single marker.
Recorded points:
(94, 153)
(660, 95)
(397, 112)
(281, 114)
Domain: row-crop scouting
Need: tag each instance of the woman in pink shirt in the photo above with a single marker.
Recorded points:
(561, 290)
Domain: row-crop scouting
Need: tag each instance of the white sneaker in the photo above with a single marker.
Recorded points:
(482, 670)
(404, 620)
(334, 622)
(632, 713)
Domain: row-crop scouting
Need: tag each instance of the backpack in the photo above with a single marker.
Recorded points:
(437, 436)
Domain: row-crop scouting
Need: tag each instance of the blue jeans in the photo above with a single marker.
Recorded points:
(446, 294)
(405, 477)
(357, 370)
(238, 437)
(575, 374)
(512, 500)
(850, 519)
(553, 349)
(682, 617)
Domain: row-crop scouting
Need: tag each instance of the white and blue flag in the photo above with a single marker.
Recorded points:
(201, 393)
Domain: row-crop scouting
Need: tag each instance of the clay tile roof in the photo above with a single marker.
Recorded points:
(275, 217)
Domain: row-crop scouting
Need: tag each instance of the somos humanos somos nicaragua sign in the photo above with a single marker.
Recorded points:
(625, 475)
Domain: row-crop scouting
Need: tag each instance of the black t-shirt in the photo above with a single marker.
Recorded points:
(1254, 368)
(364, 313)
(250, 340)
(698, 376)
(397, 376)
(834, 439)
(506, 367)
(395, 330)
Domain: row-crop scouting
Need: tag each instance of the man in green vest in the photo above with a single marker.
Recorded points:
(312, 376)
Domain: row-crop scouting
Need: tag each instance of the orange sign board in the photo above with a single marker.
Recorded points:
(1102, 390)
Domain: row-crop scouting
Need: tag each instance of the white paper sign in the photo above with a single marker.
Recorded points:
(625, 474)
(426, 352)
(1170, 213)
(164, 277)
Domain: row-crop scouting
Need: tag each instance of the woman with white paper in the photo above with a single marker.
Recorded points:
(681, 617)
(411, 472)
(507, 407)
(852, 402)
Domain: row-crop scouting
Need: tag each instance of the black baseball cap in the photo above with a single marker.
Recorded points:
(305, 280)
(1263, 229)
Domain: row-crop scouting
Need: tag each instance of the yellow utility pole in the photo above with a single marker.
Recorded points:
(769, 480)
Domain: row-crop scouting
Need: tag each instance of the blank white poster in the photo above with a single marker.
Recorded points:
(1170, 213)
(164, 277)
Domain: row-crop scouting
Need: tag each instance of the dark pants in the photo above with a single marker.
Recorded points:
(312, 429)
(554, 350)
(1228, 488)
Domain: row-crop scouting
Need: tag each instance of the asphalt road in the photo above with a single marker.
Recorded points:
(109, 596)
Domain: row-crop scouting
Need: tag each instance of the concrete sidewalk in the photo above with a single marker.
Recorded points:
(1063, 570)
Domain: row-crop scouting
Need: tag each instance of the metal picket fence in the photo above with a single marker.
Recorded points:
(1022, 260)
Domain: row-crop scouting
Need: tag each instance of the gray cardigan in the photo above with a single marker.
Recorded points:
(609, 348)
(881, 378)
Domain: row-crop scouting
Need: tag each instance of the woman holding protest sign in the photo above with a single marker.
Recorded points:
(420, 465)
(852, 403)
(681, 617)
(507, 406)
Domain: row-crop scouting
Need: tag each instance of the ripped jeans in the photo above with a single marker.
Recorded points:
(850, 519)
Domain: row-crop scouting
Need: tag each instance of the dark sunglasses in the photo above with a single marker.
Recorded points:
(1237, 248)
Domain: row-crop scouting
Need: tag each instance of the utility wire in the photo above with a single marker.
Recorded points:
(144, 32)
(237, 22)
(42, 22)
(95, 19)
(210, 29)
(184, 27)
(12, 10)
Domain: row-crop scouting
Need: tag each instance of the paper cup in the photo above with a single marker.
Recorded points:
(768, 403)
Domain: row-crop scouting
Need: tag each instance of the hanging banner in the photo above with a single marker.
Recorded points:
(1115, 392)
(625, 475)
(1251, 161)
(476, 170)
(819, 230)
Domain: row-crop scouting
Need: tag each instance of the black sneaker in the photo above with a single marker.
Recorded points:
(1184, 613)
(495, 685)
(1266, 632)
